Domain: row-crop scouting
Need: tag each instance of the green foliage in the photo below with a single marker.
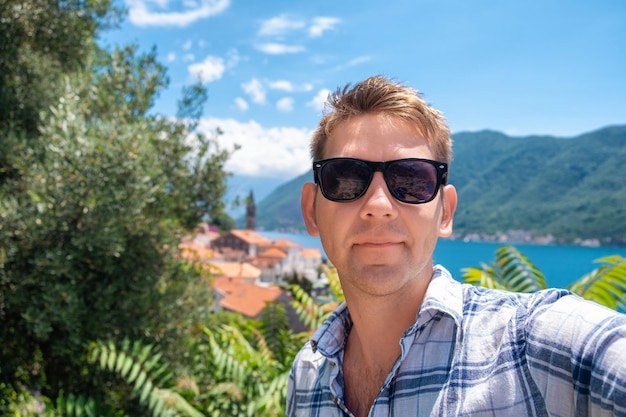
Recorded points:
(140, 366)
(40, 42)
(95, 194)
(72, 406)
(88, 236)
(605, 285)
(248, 379)
(308, 309)
(546, 185)
(312, 311)
(274, 326)
(513, 271)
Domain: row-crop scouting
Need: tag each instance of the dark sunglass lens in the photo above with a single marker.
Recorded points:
(412, 181)
(344, 179)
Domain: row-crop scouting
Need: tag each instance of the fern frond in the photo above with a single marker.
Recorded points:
(179, 403)
(140, 367)
(308, 309)
(335, 284)
(263, 352)
(271, 401)
(228, 364)
(72, 406)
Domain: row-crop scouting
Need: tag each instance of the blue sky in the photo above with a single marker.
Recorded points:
(531, 67)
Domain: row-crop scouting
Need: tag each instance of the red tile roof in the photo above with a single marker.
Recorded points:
(285, 243)
(272, 253)
(235, 270)
(192, 251)
(245, 297)
(311, 253)
(251, 237)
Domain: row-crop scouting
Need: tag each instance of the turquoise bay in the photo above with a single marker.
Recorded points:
(561, 265)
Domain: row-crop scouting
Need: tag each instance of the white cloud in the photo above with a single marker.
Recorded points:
(322, 24)
(288, 86)
(209, 70)
(274, 48)
(279, 26)
(254, 88)
(281, 152)
(189, 58)
(285, 104)
(319, 101)
(241, 104)
(187, 45)
(171, 57)
(281, 85)
(142, 13)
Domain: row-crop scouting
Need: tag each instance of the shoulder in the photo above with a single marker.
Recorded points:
(530, 317)
(570, 320)
(547, 321)
(485, 300)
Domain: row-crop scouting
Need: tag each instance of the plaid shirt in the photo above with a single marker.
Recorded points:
(479, 352)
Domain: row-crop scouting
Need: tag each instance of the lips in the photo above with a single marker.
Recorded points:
(378, 242)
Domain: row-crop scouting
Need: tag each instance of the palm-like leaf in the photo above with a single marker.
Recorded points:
(510, 271)
(485, 276)
(605, 285)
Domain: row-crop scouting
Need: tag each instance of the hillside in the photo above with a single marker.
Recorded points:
(567, 187)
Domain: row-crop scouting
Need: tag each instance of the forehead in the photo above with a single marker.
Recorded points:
(377, 137)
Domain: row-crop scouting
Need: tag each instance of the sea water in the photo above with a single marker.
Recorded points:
(560, 264)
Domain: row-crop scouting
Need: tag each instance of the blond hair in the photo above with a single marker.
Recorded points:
(379, 94)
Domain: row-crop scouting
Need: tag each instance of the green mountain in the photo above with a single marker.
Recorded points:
(570, 188)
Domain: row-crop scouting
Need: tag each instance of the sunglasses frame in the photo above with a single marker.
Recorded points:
(441, 168)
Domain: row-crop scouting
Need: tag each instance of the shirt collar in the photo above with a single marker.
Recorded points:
(444, 295)
(331, 337)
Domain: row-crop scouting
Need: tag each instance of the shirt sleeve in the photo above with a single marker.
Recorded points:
(290, 408)
(576, 352)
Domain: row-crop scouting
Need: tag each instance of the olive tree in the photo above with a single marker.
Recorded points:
(95, 195)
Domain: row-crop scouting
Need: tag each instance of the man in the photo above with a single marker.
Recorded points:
(411, 341)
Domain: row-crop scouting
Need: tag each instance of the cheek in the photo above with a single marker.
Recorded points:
(333, 228)
(424, 226)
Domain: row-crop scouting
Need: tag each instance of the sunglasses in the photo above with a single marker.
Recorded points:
(411, 180)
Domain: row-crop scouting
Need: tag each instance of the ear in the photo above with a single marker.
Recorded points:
(307, 203)
(449, 200)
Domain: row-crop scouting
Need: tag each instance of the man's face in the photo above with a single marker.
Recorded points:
(378, 244)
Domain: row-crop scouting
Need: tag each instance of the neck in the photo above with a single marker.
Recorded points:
(379, 323)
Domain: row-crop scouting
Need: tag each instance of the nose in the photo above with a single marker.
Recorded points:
(378, 201)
